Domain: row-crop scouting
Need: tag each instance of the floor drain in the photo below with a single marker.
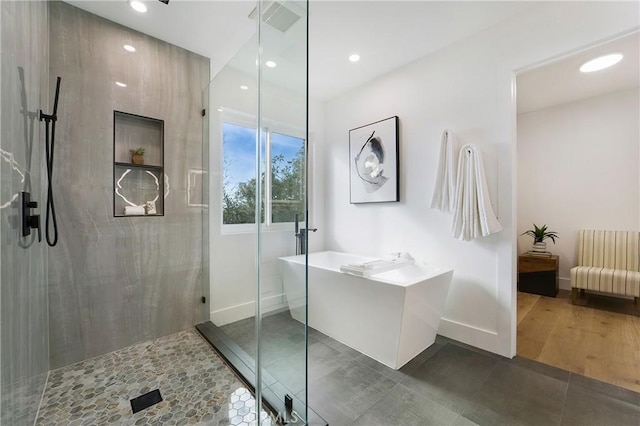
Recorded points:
(145, 401)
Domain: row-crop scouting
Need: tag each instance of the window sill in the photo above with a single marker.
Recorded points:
(250, 228)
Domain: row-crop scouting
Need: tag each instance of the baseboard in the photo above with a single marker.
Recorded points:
(242, 311)
(471, 335)
(564, 283)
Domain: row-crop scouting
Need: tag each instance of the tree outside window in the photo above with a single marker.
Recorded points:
(286, 171)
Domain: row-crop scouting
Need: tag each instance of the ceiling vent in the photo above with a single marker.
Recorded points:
(277, 15)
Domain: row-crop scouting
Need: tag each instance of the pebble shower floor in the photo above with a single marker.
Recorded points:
(196, 385)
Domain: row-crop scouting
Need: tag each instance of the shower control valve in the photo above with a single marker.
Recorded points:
(30, 221)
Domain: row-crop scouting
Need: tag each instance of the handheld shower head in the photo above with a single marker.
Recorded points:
(55, 99)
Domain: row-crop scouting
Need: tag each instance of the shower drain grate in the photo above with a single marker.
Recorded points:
(142, 402)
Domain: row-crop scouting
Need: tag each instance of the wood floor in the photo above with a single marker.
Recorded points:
(600, 338)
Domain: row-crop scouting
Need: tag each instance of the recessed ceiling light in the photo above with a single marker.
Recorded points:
(270, 64)
(601, 62)
(243, 87)
(138, 6)
(129, 48)
(220, 109)
(354, 57)
(120, 84)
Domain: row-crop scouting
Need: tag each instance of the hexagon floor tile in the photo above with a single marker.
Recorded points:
(197, 387)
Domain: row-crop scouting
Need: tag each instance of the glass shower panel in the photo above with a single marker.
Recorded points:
(236, 151)
(232, 98)
(283, 118)
(24, 322)
(256, 141)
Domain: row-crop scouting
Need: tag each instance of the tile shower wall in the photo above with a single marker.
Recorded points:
(117, 281)
(24, 344)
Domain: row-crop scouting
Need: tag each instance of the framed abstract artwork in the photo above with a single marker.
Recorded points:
(374, 162)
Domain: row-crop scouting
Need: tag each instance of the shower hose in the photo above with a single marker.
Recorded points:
(50, 140)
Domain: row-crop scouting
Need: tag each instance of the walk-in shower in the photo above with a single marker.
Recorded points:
(124, 288)
(171, 210)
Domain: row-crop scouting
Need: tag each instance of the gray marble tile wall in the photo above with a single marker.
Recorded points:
(24, 354)
(115, 281)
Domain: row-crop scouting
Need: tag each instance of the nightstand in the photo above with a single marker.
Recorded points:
(538, 274)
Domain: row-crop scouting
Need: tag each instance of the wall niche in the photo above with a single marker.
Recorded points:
(138, 166)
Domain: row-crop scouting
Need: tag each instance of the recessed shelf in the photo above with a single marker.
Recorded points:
(138, 186)
(138, 166)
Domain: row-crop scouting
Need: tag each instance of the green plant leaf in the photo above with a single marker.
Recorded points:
(540, 233)
(137, 151)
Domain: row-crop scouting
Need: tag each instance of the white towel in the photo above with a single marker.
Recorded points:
(369, 265)
(473, 215)
(376, 266)
(354, 271)
(444, 193)
(133, 210)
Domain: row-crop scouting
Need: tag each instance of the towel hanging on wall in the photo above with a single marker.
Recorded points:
(444, 192)
(473, 215)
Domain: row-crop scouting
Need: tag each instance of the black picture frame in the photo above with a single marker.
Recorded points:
(374, 162)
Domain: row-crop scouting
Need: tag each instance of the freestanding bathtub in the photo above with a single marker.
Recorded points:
(391, 316)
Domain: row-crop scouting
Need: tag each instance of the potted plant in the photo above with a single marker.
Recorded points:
(137, 155)
(539, 234)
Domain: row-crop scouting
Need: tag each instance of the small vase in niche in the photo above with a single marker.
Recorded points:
(150, 208)
(137, 156)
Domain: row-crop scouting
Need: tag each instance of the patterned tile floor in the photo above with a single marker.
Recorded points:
(196, 385)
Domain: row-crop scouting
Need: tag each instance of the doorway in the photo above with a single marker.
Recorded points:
(577, 161)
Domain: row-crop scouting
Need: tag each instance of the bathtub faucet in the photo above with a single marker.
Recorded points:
(301, 236)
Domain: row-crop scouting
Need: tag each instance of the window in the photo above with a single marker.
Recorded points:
(282, 174)
(287, 177)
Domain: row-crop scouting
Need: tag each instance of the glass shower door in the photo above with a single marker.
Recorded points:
(283, 292)
(255, 134)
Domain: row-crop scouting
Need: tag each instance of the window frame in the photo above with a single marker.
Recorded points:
(269, 127)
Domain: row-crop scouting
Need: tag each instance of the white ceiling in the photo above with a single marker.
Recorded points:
(214, 29)
(561, 81)
(386, 34)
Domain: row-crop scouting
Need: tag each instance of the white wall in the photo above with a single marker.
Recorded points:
(233, 254)
(578, 167)
(466, 87)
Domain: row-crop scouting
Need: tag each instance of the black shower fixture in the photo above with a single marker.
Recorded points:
(165, 1)
(50, 141)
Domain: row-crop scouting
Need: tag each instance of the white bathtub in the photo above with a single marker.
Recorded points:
(391, 317)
